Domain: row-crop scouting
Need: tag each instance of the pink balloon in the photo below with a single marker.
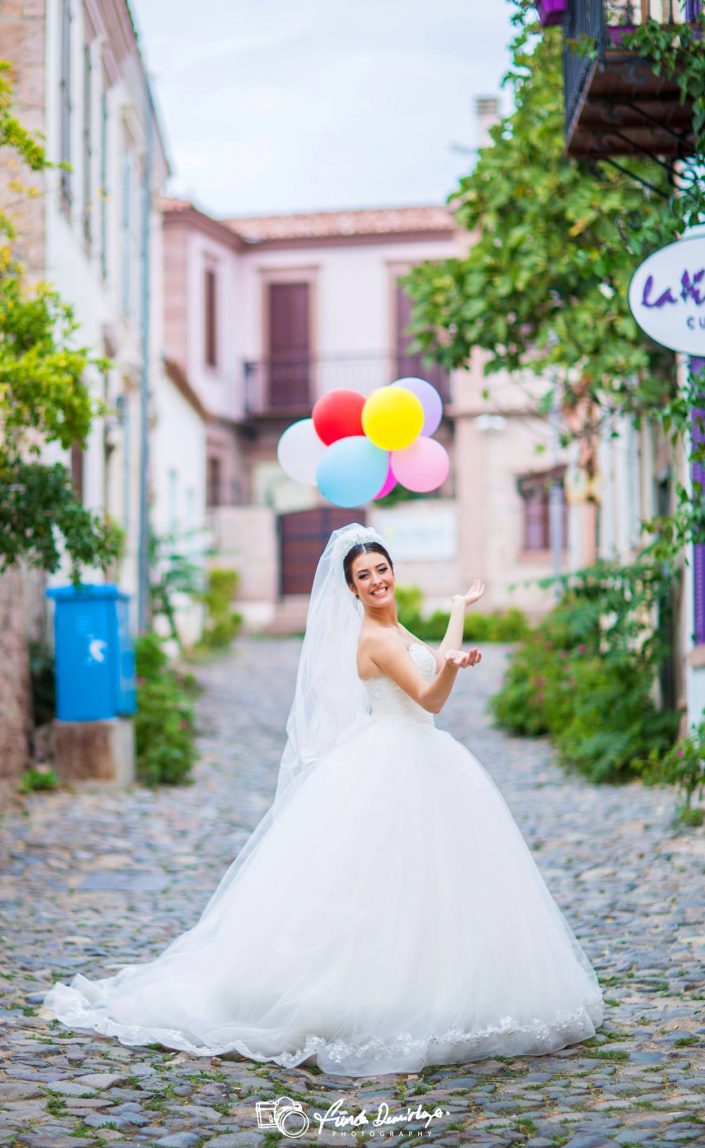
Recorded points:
(421, 467)
(389, 483)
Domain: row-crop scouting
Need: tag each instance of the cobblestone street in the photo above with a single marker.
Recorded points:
(90, 881)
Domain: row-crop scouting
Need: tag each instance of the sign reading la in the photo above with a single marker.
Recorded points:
(667, 296)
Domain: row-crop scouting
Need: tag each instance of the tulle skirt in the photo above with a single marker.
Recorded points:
(389, 916)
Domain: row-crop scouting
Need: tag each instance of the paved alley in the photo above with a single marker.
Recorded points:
(92, 880)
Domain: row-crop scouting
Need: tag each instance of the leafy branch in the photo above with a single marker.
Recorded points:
(44, 399)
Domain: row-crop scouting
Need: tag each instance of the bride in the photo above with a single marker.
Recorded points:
(386, 912)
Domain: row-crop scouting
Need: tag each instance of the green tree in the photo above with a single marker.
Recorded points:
(44, 398)
(544, 285)
(556, 242)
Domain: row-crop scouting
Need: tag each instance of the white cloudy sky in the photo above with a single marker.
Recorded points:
(275, 105)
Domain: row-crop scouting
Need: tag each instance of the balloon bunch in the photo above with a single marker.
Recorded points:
(356, 448)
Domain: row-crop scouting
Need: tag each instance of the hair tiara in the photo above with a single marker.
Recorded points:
(356, 536)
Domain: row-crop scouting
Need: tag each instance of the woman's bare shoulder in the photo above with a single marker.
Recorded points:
(376, 643)
(378, 638)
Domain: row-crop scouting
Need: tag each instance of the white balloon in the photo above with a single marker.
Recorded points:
(299, 452)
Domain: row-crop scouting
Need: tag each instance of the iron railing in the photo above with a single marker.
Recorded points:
(606, 22)
(291, 386)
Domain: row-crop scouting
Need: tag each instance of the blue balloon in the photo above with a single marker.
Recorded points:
(352, 471)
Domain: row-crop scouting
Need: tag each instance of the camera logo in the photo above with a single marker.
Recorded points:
(284, 1114)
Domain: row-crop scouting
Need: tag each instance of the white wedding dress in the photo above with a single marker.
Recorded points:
(391, 916)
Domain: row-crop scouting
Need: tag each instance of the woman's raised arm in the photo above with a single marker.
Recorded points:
(453, 637)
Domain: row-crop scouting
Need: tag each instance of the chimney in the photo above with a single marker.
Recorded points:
(486, 115)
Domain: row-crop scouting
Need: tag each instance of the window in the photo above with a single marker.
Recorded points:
(535, 491)
(124, 408)
(76, 467)
(126, 233)
(190, 539)
(211, 318)
(103, 190)
(289, 352)
(213, 481)
(173, 502)
(409, 365)
(87, 145)
(66, 192)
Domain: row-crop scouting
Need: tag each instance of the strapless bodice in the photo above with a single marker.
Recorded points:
(390, 700)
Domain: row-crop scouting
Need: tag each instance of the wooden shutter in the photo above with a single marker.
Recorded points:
(65, 106)
(76, 467)
(213, 481)
(211, 318)
(289, 346)
(408, 365)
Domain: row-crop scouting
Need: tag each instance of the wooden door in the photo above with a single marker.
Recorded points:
(289, 352)
(302, 539)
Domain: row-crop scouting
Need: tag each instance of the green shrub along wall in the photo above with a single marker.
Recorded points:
(594, 700)
(222, 623)
(498, 626)
(164, 721)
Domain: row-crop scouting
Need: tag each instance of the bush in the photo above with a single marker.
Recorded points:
(589, 687)
(223, 622)
(683, 765)
(409, 600)
(37, 777)
(499, 626)
(164, 721)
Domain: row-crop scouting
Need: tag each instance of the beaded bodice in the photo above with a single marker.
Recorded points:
(390, 700)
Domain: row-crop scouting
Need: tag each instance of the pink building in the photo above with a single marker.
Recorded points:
(263, 315)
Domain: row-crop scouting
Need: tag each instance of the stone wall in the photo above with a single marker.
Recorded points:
(14, 684)
(22, 43)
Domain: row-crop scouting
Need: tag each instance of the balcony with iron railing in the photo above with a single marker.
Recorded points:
(287, 388)
(615, 103)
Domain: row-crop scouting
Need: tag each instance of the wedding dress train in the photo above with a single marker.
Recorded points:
(390, 917)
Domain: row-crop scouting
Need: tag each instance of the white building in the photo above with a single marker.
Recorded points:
(96, 235)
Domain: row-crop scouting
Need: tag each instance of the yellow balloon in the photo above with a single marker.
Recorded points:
(392, 418)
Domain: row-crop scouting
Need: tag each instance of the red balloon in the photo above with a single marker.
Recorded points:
(338, 414)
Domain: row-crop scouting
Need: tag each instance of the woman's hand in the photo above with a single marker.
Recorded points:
(475, 592)
(461, 658)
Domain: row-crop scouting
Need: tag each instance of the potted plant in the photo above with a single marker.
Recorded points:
(551, 12)
(619, 22)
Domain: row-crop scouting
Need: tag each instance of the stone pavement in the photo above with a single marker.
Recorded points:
(91, 880)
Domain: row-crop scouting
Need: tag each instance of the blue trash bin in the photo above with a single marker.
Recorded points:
(95, 658)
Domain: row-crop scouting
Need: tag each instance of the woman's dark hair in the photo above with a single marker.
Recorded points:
(362, 548)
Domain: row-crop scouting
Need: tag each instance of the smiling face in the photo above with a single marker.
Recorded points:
(372, 579)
